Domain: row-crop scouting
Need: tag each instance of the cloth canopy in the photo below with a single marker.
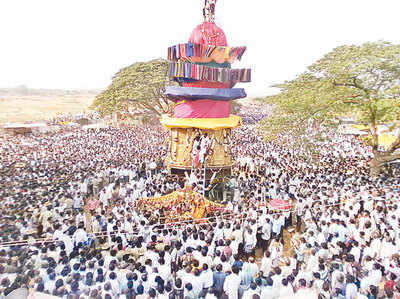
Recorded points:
(193, 93)
(202, 109)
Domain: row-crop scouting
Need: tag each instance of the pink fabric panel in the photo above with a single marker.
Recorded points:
(203, 109)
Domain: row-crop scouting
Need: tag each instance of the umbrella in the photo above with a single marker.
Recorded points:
(279, 204)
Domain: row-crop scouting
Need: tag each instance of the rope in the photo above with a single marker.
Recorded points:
(35, 241)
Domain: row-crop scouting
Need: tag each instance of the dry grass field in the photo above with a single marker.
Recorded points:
(22, 104)
(34, 105)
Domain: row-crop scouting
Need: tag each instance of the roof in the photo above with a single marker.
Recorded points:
(16, 125)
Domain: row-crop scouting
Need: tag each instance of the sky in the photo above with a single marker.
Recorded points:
(80, 44)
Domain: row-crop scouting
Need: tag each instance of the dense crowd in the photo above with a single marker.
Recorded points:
(70, 225)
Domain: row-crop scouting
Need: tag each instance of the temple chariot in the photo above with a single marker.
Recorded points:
(200, 127)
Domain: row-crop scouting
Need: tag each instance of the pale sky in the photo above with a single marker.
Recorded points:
(80, 44)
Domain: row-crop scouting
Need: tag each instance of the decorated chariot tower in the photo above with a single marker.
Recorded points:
(201, 124)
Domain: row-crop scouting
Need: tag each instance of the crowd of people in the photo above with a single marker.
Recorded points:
(71, 227)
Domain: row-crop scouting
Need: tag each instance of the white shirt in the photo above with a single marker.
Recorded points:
(80, 236)
(286, 291)
(351, 291)
(269, 293)
(207, 278)
(231, 286)
(277, 225)
(165, 272)
(266, 263)
(197, 284)
(249, 294)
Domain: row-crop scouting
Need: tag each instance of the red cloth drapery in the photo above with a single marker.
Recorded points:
(202, 109)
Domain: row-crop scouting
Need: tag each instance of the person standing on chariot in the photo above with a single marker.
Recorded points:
(195, 149)
(204, 146)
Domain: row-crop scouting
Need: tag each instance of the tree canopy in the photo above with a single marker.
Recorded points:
(137, 88)
(360, 81)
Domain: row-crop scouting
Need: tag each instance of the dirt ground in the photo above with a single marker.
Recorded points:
(287, 247)
(37, 106)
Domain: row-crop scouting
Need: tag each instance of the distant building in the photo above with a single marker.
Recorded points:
(83, 121)
(16, 129)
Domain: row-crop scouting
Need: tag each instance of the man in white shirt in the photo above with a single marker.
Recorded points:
(266, 232)
(80, 236)
(351, 288)
(277, 225)
(286, 289)
(206, 277)
(232, 283)
(299, 214)
(374, 277)
(204, 145)
(269, 292)
(197, 283)
(164, 270)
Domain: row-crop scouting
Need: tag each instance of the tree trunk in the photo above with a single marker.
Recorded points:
(375, 167)
(379, 160)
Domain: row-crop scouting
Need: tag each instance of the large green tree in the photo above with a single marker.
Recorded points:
(138, 87)
(361, 81)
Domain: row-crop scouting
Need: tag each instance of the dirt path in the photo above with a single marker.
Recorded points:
(287, 246)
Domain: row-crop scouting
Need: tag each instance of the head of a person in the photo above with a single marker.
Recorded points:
(284, 282)
(235, 269)
(302, 283)
(188, 287)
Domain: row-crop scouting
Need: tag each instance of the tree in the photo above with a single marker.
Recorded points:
(139, 88)
(361, 81)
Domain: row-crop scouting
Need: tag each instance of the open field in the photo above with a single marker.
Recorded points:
(30, 105)
(34, 105)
